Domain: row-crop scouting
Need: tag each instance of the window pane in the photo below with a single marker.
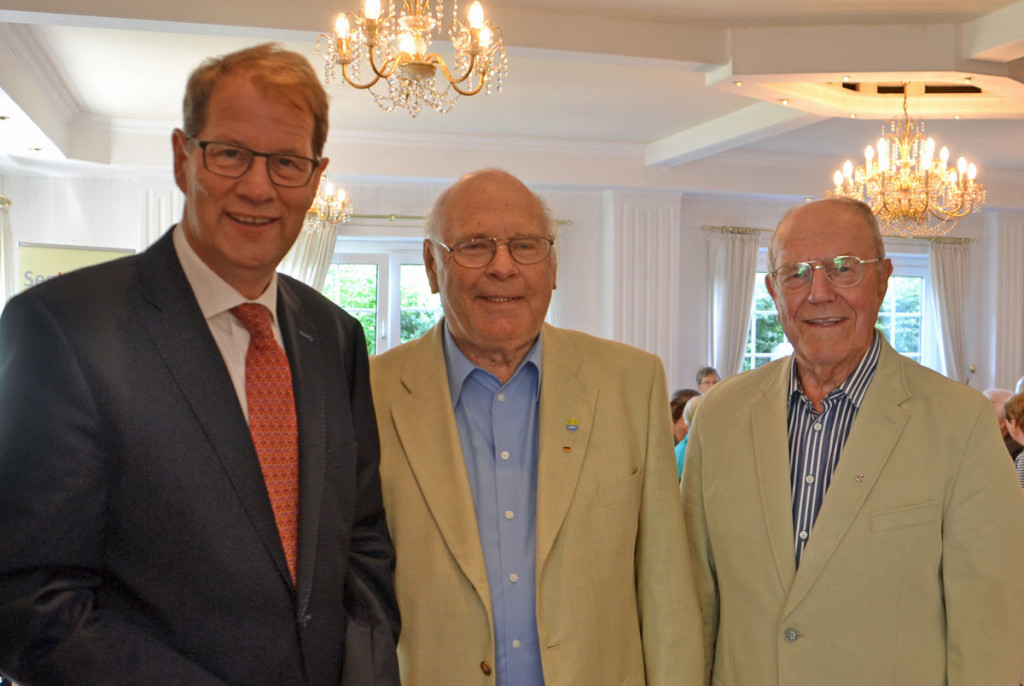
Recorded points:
(354, 287)
(765, 340)
(419, 308)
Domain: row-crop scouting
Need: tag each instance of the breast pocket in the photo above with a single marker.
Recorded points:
(905, 516)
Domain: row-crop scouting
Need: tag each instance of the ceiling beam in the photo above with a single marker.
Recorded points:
(741, 127)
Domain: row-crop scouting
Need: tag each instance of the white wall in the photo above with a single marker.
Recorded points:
(632, 264)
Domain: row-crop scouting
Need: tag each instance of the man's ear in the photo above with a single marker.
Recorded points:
(430, 264)
(179, 144)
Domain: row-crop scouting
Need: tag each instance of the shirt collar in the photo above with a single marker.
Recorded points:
(214, 294)
(855, 387)
(460, 366)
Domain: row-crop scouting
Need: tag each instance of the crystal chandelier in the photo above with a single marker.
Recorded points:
(313, 249)
(394, 47)
(911, 192)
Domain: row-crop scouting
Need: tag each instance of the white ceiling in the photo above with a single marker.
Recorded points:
(652, 81)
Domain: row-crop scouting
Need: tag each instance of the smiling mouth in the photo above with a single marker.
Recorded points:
(252, 221)
(825, 322)
(496, 299)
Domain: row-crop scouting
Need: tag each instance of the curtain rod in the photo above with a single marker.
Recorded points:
(417, 218)
(944, 240)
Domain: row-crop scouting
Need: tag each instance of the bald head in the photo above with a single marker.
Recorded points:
(856, 207)
(480, 188)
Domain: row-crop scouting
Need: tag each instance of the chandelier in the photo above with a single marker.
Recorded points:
(313, 249)
(910, 190)
(393, 47)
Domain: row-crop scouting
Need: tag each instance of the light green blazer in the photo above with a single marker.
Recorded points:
(914, 572)
(615, 600)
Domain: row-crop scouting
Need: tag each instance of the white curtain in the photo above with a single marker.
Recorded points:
(8, 256)
(732, 256)
(311, 254)
(949, 265)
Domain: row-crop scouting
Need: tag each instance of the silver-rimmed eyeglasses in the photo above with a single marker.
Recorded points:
(232, 161)
(478, 252)
(844, 271)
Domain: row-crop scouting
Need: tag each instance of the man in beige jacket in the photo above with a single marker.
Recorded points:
(528, 475)
(852, 515)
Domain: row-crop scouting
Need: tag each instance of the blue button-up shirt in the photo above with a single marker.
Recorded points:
(816, 440)
(498, 430)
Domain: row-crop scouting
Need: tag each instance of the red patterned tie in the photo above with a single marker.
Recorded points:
(272, 423)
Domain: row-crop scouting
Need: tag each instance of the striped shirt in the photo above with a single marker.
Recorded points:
(816, 440)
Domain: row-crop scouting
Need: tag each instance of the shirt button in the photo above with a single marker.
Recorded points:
(513, 577)
(817, 426)
(809, 478)
(485, 668)
(505, 455)
(803, 535)
(516, 644)
(501, 397)
(791, 635)
(509, 514)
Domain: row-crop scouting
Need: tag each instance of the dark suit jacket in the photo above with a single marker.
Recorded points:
(137, 541)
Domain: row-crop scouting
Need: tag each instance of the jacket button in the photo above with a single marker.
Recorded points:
(791, 635)
(485, 668)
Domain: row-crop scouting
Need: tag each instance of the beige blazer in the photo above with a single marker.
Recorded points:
(914, 572)
(611, 548)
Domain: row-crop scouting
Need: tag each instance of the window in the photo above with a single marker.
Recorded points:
(902, 318)
(387, 292)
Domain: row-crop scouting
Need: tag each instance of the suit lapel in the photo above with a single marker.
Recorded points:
(880, 422)
(169, 312)
(771, 450)
(567, 406)
(438, 464)
(302, 343)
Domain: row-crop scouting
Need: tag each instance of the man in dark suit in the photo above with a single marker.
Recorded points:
(166, 515)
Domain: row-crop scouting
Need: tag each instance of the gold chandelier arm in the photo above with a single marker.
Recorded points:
(389, 69)
(452, 79)
(355, 84)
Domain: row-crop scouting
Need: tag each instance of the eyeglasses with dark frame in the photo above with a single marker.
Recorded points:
(476, 253)
(844, 271)
(232, 161)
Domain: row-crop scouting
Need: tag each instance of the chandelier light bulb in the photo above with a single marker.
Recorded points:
(869, 153)
(476, 15)
(837, 178)
(961, 166)
(972, 171)
(372, 9)
(407, 44)
(944, 155)
(341, 26)
(485, 37)
(848, 169)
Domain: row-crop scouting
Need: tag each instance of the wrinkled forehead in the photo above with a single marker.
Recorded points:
(818, 232)
(492, 207)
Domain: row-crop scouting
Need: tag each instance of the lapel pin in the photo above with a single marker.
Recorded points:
(860, 478)
(572, 424)
(566, 449)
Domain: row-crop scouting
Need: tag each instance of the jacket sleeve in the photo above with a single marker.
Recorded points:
(371, 634)
(666, 595)
(54, 479)
(982, 559)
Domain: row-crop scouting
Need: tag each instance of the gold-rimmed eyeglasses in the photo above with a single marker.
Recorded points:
(233, 161)
(844, 271)
(478, 252)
